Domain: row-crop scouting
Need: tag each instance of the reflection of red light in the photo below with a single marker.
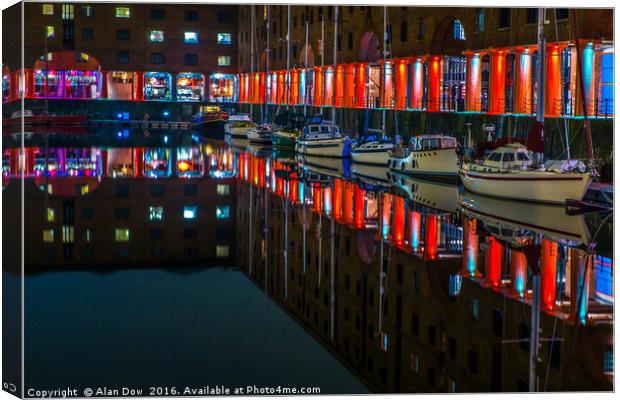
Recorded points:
(183, 166)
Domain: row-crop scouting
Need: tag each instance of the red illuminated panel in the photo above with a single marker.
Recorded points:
(473, 82)
(398, 221)
(548, 268)
(497, 83)
(430, 238)
(360, 86)
(401, 84)
(294, 86)
(387, 84)
(494, 262)
(339, 80)
(328, 98)
(349, 85)
(318, 86)
(359, 207)
(435, 72)
(553, 87)
(338, 199)
(523, 83)
(417, 84)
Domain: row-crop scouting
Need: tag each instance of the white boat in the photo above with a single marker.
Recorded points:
(323, 140)
(260, 134)
(509, 172)
(372, 150)
(512, 220)
(427, 155)
(438, 196)
(237, 126)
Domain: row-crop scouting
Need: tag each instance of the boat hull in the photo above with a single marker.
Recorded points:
(535, 186)
(283, 140)
(253, 137)
(337, 148)
(440, 163)
(380, 157)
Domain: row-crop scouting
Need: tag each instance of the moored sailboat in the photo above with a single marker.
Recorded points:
(427, 155)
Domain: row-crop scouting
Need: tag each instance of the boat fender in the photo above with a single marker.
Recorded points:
(146, 116)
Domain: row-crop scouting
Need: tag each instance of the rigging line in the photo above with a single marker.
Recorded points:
(551, 346)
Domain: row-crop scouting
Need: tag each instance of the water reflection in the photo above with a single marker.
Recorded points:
(416, 285)
(423, 288)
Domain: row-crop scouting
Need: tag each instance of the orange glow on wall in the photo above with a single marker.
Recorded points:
(349, 85)
(317, 199)
(261, 88)
(431, 237)
(548, 269)
(473, 82)
(493, 257)
(318, 86)
(294, 76)
(415, 219)
(553, 84)
(338, 199)
(339, 92)
(401, 84)
(360, 86)
(349, 194)
(387, 84)
(273, 88)
(523, 83)
(435, 72)
(497, 83)
(417, 85)
(328, 75)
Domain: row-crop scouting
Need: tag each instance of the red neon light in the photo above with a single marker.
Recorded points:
(398, 221)
(434, 83)
(548, 269)
(338, 199)
(494, 262)
(360, 209)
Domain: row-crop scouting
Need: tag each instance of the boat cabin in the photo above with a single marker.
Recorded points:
(240, 118)
(512, 156)
(432, 142)
(320, 131)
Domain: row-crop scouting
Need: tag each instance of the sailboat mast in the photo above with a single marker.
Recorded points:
(385, 61)
(267, 55)
(322, 58)
(288, 56)
(335, 58)
(306, 69)
(540, 77)
(251, 51)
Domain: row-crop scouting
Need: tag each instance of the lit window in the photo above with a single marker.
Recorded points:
(88, 235)
(458, 30)
(157, 36)
(223, 61)
(48, 235)
(190, 212)
(121, 234)
(608, 362)
(50, 214)
(87, 11)
(222, 212)
(48, 9)
(191, 37)
(49, 31)
(81, 188)
(222, 251)
(223, 190)
(68, 234)
(67, 11)
(156, 213)
(123, 12)
(224, 38)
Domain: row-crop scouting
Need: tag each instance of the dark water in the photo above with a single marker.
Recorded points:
(196, 264)
(142, 328)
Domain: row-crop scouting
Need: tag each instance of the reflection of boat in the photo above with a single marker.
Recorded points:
(439, 196)
(210, 119)
(335, 167)
(372, 174)
(285, 138)
(238, 125)
(509, 219)
(427, 155)
(372, 150)
(323, 140)
(43, 119)
(260, 134)
(509, 172)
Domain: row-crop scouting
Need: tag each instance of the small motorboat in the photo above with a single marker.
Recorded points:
(372, 149)
(210, 119)
(427, 155)
(510, 172)
(238, 125)
(260, 134)
(323, 140)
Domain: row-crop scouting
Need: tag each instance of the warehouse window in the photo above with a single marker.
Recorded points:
(49, 30)
(122, 57)
(222, 251)
(88, 33)
(88, 11)
(458, 30)
(157, 13)
(48, 235)
(121, 234)
(223, 61)
(191, 59)
(122, 12)
(122, 34)
(504, 18)
(224, 38)
(47, 9)
(480, 20)
(191, 15)
(190, 38)
(156, 36)
(157, 58)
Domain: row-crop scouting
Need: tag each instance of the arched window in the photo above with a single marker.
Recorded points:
(458, 30)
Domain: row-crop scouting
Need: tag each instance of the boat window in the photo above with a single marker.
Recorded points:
(509, 157)
(522, 157)
(495, 156)
(325, 129)
(431, 144)
(448, 142)
(314, 129)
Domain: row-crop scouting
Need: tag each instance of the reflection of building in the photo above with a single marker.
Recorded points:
(418, 322)
(108, 206)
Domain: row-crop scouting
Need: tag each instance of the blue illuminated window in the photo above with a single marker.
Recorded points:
(190, 212)
(222, 212)
(604, 279)
(190, 37)
(459, 32)
(224, 38)
(608, 361)
(607, 84)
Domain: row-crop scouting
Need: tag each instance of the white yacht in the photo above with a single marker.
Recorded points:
(372, 149)
(260, 134)
(237, 126)
(427, 155)
(323, 140)
(509, 172)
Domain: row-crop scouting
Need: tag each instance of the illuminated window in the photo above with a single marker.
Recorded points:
(48, 9)
(222, 212)
(48, 235)
(190, 37)
(88, 235)
(87, 11)
(50, 214)
(222, 251)
(190, 212)
(458, 30)
(68, 11)
(156, 213)
(384, 341)
(224, 38)
(480, 20)
(223, 61)
(121, 234)
(81, 188)
(157, 36)
(68, 234)
(608, 361)
(49, 31)
(223, 190)
(122, 12)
